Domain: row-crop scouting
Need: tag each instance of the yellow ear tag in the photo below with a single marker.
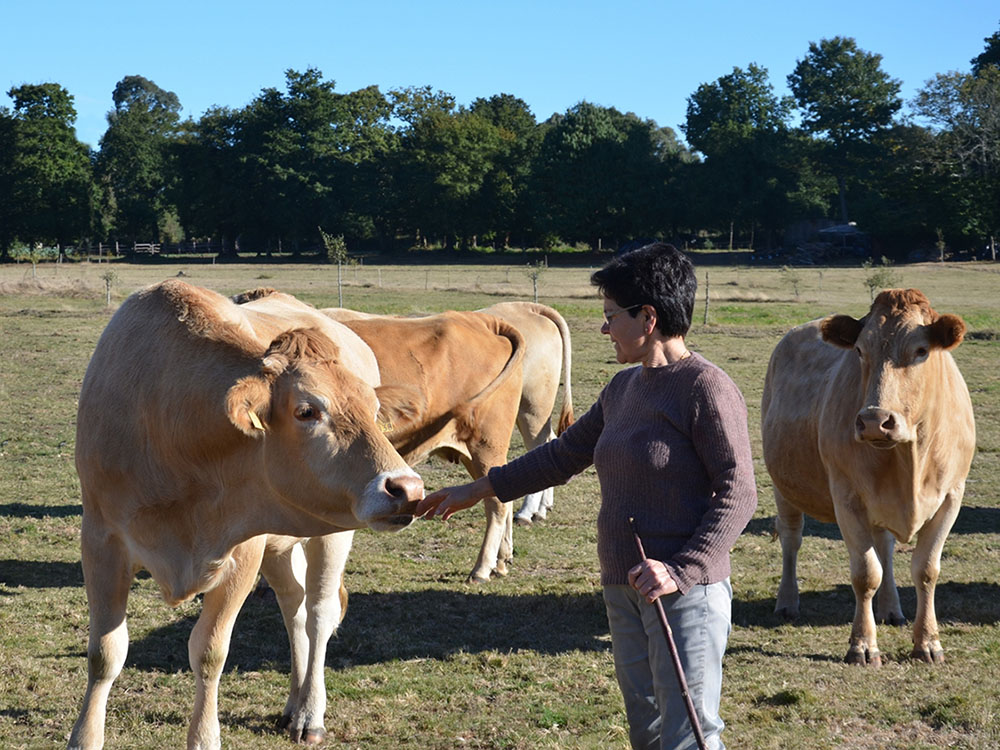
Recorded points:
(255, 420)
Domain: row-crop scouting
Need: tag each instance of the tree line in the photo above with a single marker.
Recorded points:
(409, 167)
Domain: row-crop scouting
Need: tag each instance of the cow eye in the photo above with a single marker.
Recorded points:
(920, 352)
(307, 412)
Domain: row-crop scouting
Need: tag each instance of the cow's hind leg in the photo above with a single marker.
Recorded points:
(887, 606)
(326, 602)
(866, 577)
(208, 645)
(285, 571)
(107, 574)
(535, 430)
(788, 527)
(925, 568)
(496, 551)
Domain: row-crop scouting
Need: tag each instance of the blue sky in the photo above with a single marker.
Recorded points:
(641, 57)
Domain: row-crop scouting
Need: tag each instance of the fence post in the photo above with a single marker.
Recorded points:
(705, 320)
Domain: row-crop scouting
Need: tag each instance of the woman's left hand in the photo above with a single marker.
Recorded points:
(651, 579)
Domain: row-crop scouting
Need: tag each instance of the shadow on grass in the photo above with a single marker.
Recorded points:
(382, 627)
(385, 627)
(23, 510)
(40, 575)
(970, 603)
(971, 520)
(811, 527)
(975, 520)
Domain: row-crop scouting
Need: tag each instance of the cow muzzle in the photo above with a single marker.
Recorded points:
(880, 428)
(400, 493)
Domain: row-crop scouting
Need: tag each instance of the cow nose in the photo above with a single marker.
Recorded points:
(874, 424)
(407, 488)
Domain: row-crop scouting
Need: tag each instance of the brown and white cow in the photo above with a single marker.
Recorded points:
(869, 423)
(548, 353)
(198, 434)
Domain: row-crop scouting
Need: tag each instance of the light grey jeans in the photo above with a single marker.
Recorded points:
(700, 622)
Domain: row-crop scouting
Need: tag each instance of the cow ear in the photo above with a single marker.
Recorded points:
(841, 330)
(246, 402)
(399, 406)
(947, 331)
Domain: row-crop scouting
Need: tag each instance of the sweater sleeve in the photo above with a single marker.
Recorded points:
(721, 438)
(552, 463)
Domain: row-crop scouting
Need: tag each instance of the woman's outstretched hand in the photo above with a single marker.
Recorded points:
(448, 501)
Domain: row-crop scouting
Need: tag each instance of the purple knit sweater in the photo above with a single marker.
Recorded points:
(671, 449)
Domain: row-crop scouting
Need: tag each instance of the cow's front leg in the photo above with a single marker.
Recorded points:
(107, 575)
(866, 577)
(788, 527)
(208, 645)
(925, 567)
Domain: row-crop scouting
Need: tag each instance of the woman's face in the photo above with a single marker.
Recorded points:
(627, 333)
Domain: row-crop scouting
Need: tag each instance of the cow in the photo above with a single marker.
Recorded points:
(869, 423)
(203, 439)
(546, 336)
(548, 352)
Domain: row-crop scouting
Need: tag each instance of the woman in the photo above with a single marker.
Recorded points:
(670, 445)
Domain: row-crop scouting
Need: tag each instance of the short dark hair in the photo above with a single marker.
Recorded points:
(657, 274)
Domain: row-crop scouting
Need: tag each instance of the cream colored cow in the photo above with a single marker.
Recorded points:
(200, 431)
(869, 423)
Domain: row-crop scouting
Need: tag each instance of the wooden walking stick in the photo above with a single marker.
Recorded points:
(675, 657)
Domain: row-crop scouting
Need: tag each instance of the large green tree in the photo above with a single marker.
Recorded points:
(601, 176)
(847, 101)
(988, 57)
(49, 189)
(134, 159)
(741, 127)
(504, 199)
(964, 112)
(448, 159)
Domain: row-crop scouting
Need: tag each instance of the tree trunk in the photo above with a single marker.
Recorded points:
(842, 191)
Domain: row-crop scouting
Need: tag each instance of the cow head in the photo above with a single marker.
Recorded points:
(322, 444)
(900, 344)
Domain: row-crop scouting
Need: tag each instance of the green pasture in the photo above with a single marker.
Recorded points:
(424, 660)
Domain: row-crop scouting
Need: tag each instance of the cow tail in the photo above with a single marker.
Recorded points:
(566, 417)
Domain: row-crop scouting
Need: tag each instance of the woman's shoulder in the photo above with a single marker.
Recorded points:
(709, 378)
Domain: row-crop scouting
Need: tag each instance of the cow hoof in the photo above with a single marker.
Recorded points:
(522, 521)
(788, 613)
(928, 655)
(894, 619)
(476, 580)
(309, 736)
(313, 736)
(864, 657)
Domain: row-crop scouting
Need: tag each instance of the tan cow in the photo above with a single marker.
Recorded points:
(197, 435)
(424, 362)
(548, 352)
(869, 423)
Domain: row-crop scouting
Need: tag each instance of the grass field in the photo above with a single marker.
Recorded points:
(425, 661)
